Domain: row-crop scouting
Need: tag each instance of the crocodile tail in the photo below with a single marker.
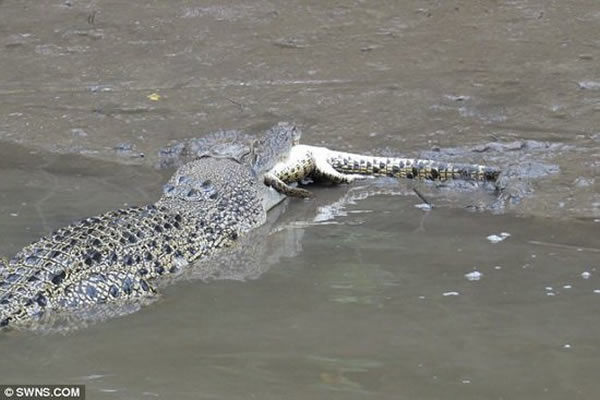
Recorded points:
(409, 168)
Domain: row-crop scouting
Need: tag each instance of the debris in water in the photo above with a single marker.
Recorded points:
(474, 276)
(586, 275)
(450, 294)
(498, 238)
(423, 198)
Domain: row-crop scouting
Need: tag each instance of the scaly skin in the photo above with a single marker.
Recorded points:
(119, 257)
(320, 163)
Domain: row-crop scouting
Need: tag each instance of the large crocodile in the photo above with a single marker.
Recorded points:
(116, 260)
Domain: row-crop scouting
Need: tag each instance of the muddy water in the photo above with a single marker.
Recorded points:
(363, 294)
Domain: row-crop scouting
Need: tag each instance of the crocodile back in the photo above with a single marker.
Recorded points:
(117, 256)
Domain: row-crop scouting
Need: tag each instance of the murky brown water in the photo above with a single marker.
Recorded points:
(364, 295)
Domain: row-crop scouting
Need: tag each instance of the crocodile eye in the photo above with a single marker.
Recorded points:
(192, 193)
(207, 184)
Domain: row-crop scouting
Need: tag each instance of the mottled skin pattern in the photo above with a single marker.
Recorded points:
(108, 265)
(320, 163)
(117, 256)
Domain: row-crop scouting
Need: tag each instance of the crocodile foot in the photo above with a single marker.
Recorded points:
(276, 183)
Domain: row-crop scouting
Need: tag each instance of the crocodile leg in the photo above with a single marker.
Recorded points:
(299, 164)
(276, 183)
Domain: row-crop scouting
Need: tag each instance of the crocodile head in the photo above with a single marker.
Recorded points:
(220, 186)
(273, 146)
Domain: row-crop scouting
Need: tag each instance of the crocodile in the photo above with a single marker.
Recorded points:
(323, 164)
(109, 265)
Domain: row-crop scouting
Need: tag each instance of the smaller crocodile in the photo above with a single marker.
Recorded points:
(322, 164)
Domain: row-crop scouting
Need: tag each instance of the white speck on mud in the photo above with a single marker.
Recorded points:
(586, 275)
